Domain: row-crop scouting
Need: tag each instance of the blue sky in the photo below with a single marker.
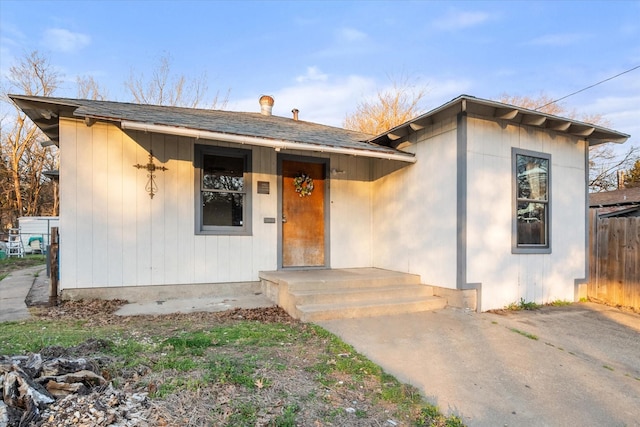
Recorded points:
(325, 57)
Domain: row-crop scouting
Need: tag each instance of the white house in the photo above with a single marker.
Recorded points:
(474, 195)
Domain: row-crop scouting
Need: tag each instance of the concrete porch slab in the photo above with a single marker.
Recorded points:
(337, 275)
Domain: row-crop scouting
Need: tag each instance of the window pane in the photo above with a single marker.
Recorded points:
(222, 209)
(532, 177)
(223, 173)
(532, 223)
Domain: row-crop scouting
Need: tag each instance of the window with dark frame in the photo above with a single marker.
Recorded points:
(223, 190)
(532, 201)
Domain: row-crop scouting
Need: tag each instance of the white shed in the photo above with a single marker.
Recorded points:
(35, 231)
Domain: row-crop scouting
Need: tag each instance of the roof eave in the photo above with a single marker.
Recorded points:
(277, 144)
(498, 111)
(45, 113)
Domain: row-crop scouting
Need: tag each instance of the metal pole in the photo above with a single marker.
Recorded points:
(53, 288)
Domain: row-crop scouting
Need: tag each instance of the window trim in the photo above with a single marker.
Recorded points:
(529, 248)
(199, 152)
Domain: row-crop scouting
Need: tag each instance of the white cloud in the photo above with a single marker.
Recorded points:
(313, 74)
(328, 100)
(351, 35)
(622, 111)
(348, 42)
(565, 39)
(324, 101)
(457, 20)
(61, 40)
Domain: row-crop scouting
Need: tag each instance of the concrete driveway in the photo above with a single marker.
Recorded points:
(582, 370)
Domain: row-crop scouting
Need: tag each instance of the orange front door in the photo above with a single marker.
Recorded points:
(303, 219)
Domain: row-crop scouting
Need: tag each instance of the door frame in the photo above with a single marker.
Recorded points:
(327, 243)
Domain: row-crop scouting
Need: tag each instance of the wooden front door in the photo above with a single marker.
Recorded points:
(303, 218)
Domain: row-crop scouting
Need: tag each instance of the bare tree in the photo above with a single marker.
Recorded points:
(390, 108)
(604, 161)
(23, 158)
(545, 104)
(89, 88)
(165, 88)
(604, 164)
(542, 102)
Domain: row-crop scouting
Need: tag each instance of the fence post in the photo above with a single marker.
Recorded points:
(53, 267)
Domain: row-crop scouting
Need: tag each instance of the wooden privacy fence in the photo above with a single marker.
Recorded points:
(614, 265)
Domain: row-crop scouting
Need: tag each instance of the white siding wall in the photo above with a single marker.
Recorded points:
(113, 234)
(380, 214)
(350, 212)
(414, 210)
(507, 277)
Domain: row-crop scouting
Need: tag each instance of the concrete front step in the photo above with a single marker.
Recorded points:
(318, 312)
(324, 294)
(356, 294)
(339, 279)
(369, 282)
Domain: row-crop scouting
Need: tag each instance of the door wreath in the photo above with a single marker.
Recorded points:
(303, 184)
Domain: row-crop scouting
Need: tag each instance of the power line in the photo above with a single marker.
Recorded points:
(588, 87)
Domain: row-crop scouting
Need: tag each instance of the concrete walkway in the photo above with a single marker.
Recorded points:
(193, 305)
(31, 287)
(14, 290)
(583, 370)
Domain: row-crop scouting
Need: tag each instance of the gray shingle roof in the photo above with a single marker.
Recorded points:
(620, 197)
(227, 122)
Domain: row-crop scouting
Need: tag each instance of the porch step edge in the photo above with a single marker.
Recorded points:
(376, 282)
(317, 312)
(329, 296)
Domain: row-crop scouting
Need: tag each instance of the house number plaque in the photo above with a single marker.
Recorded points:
(263, 187)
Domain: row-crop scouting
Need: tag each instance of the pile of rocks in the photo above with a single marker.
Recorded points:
(65, 391)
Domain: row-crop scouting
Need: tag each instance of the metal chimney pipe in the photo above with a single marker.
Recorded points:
(295, 112)
(266, 105)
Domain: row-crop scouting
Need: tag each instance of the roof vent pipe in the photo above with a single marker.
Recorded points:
(266, 105)
(295, 112)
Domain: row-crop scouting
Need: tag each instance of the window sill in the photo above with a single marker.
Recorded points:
(530, 250)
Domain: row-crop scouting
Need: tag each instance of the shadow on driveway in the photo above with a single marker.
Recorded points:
(583, 368)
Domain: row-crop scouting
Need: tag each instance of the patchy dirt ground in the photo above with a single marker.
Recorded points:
(288, 390)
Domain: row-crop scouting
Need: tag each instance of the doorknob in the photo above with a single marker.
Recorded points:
(284, 218)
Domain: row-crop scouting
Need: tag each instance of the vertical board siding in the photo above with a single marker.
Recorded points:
(83, 238)
(185, 245)
(129, 243)
(265, 206)
(414, 209)
(114, 179)
(158, 207)
(350, 212)
(615, 261)
(100, 186)
(507, 277)
(170, 226)
(144, 220)
(68, 203)
(118, 236)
